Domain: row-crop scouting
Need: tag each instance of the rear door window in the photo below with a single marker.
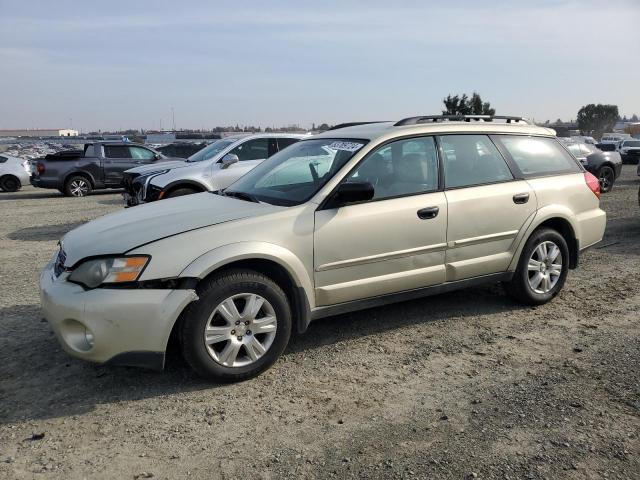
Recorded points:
(538, 156)
(256, 149)
(472, 160)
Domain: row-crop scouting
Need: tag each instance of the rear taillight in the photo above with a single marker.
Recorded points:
(40, 168)
(592, 183)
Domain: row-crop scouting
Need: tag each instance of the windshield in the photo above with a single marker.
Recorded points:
(212, 150)
(631, 144)
(295, 174)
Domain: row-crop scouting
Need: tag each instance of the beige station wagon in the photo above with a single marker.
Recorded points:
(356, 217)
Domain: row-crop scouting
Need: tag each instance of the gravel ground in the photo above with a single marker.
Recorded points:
(455, 386)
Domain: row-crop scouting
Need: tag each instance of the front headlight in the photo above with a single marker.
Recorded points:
(111, 270)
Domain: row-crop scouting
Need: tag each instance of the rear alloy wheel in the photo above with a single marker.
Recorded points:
(77, 186)
(9, 183)
(542, 268)
(238, 327)
(606, 177)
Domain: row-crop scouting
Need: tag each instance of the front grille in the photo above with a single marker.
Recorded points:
(58, 267)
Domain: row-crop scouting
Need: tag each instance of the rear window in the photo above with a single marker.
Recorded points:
(285, 142)
(538, 155)
(89, 151)
(116, 151)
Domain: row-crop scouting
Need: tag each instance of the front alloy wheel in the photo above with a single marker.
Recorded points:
(237, 328)
(240, 330)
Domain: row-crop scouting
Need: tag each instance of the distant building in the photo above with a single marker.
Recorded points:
(56, 132)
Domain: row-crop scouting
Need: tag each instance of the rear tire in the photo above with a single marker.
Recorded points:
(238, 327)
(9, 183)
(542, 268)
(180, 192)
(606, 177)
(77, 186)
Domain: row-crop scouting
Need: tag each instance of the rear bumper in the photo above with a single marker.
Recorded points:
(43, 183)
(115, 326)
(618, 169)
(630, 157)
(591, 225)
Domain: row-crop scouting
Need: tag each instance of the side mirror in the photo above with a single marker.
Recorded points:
(229, 159)
(157, 156)
(351, 192)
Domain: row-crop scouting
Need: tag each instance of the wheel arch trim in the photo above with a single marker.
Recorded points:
(225, 255)
(182, 183)
(549, 214)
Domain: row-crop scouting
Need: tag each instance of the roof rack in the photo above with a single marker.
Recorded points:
(458, 118)
(352, 124)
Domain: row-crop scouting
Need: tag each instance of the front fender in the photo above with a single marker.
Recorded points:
(227, 254)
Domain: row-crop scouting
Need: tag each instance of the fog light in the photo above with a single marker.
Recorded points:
(88, 336)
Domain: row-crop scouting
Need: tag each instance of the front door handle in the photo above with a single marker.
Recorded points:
(427, 213)
(520, 198)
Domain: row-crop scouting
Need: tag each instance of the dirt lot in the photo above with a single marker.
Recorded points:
(456, 386)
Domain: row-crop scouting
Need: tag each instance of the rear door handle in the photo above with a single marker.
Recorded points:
(520, 198)
(427, 213)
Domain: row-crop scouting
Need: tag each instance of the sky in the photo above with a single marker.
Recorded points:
(125, 64)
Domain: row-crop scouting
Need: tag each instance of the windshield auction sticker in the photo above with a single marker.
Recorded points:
(348, 146)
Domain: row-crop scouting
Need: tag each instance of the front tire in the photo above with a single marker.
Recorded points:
(606, 177)
(9, 183)
(77, 186)
(238, 327)
(542, 268)
(180, 192)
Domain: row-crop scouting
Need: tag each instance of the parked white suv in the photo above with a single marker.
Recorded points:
(349, 219)
(213, 168)
(14, 172)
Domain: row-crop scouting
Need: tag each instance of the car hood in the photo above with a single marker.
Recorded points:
(119, 232)
(160, 165)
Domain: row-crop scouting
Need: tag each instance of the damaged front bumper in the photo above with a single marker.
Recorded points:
(115, 326)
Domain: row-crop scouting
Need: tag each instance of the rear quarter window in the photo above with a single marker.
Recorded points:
(538, 156)
(89, 151)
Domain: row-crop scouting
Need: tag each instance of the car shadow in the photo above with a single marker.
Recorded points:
(43, 233)
(30, 196)
(34, 194)
(40, 381)
(482, 300)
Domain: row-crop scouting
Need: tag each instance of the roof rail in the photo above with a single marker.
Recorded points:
(353, 124)
(458, 118)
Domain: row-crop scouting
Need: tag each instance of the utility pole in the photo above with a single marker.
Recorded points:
(173, 119)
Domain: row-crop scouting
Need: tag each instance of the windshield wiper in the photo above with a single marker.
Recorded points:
(240, 195)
